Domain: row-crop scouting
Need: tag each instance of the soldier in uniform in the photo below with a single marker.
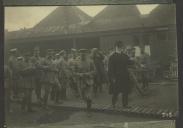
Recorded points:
(12, 62)
(27, 74)
(73, 66)
(98, 59)
(50, 78)
(85, 71)
(144, 64)
(119, 75)
(7, 85)
(56, 89)
(64, 73)
(37, 60)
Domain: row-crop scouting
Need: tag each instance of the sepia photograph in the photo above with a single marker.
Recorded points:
(102, 66)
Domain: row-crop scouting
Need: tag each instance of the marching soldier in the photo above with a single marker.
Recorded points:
(37, 61)
(56, 90)
(144, 63)
(85, 73)
(73, 66)
(12, 62)
(98, 59)
(50, 78)
(27, 74)
(7, 85)
(119, 75)
(64, 74)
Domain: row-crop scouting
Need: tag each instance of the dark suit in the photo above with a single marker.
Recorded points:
(119, 76)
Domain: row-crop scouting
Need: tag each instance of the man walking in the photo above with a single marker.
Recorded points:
(119, 75)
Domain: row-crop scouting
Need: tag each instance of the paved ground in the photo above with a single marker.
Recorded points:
(53, 118)
(162, 95)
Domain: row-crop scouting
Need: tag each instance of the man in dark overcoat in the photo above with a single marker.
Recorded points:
(119, 75)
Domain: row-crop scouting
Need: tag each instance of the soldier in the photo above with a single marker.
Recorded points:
(7, 85)
(145, 62)
(12, 62)
(56, 90)
(98, 59)
(73, 66)
(27, 73)
(50, 78)
(119, 75)
(85, 73)
(36, 60)
(64, 73)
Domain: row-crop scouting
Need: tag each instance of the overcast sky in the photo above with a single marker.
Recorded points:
(20, 17)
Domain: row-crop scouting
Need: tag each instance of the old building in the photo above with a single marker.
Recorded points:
(68, 26)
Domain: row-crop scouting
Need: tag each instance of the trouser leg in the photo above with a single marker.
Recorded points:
(53, 93)
(46, 95)
(57, 96)
(29, 100)
(125, 99)
(114, 99)
(7, 99)
(63, 93)
(23, 102)
(38, 90)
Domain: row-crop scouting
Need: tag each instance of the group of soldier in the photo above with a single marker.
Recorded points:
(82, 71)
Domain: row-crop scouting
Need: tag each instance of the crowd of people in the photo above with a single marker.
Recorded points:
(85, 72)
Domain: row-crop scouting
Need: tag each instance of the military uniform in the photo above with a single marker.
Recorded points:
(27, 83)
(37, 61)
(50, 77)
(85, 71)
(100, 71)
(13, 65)
(73, 78)
(56, 88)
(64, 74)
(7, 86)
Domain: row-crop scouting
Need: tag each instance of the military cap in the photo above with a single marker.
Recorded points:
(73, 50)
(57, 54)
(20, 58)
(13, 50)
(83, 50)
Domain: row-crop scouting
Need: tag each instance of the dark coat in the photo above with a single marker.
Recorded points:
(118, 73)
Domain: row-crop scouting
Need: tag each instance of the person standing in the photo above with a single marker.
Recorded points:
(36, 60)
(98, 60)
(119, 75)
(64, 74)
(27, 74)
(13, 65)
(56, 88)
(73, 66)
(7, 86)
(85, 73)
(48, 80)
